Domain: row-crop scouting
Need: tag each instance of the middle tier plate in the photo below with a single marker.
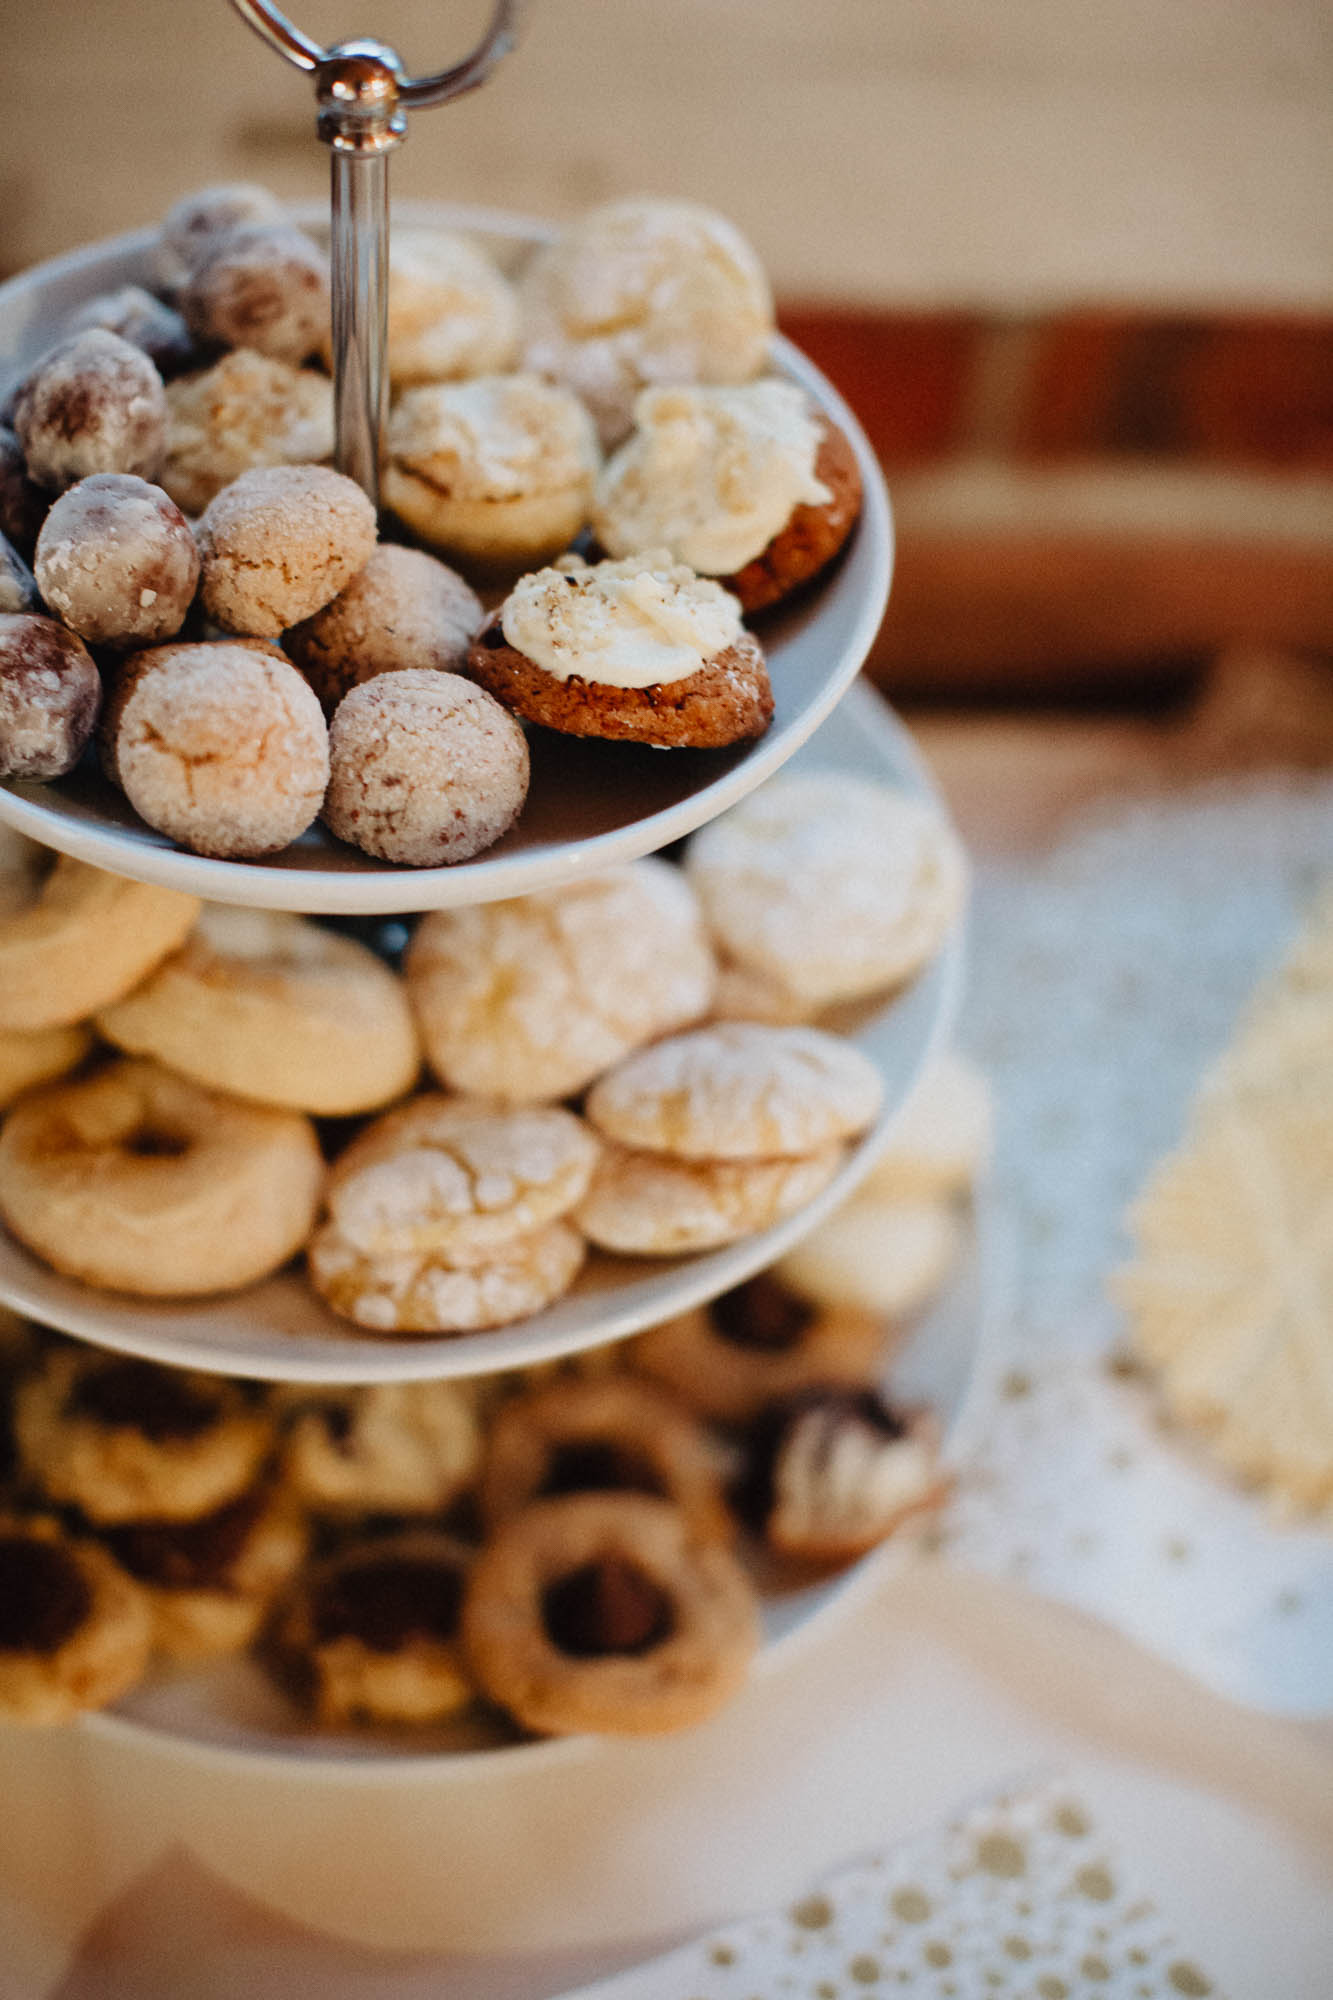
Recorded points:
(281, 1331)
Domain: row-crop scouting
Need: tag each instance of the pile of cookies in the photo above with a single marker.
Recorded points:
(212, 603)
(627, 1061)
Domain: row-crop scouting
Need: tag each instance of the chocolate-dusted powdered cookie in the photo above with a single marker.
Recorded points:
(18, 587)
(265, 287)
(22, 503)
(94, 403)
(50, 694)
(145, 322)
(116, 561)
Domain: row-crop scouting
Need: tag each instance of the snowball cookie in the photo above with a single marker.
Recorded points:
(640, 292)
(22, 505)
(637, 651)
(424, 768)
(738, 1091)
(92, 404)
(279, 543)
(451, 312)
(751, 484)
(50, 694)
(144, 321)
(222, 747)
(529, 999)
(138, 1180)
(272, 1007)
(246, 410)
(18, 587)
(831, 885)
(117, 562)
(404, 610)
(499, 470)
(260, 287)
(73, 938)
(193, 227)
(941, 1138)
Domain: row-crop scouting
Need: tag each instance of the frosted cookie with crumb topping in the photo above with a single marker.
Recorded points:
(640, 292)
(641, 651)
(498, 471)
(750, 484)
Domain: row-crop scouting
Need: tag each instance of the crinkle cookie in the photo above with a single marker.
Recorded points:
(738, 1090)
(640, 651)
(424, 769)
(277, 1009)
(221, 745)
(210, 1580)
(756, 1344)
(832, 886)
(74, 1629)
(126, 1440)
(93, 403)
(246, 410)
(499, 470)
(73, 937)
(145, 322)
(750, 484)
(530, 999)
(373, 1634)
(139, 1180)
(613, 1435)
(452, 313)
(388, 1448)
(423, 1292)
(640, 292)
(279, 543)
(601, 1611)
(50, 697)
(404, 611)
(264, 286)
(116, 561)
(193, 226)
(654, 1205)
(458, 1177)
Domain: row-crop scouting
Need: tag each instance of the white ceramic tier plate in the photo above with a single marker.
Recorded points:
(230, 1709)
(282, 1331)
(590, 803)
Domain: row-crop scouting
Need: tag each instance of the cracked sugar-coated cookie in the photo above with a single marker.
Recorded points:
(246, 410)
(424, 1292)
(404, 610)
(279, 543)
(645, 1204)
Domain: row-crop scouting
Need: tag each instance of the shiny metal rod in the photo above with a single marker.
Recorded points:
(359, 253)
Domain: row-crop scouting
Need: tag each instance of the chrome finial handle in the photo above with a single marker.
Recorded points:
(364, 95)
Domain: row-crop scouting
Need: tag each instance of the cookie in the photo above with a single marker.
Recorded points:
(18, 586)
(388, 1448)
(638, 651)
(404, 611)
(458, 1177)
(38, 1056)
(23, 504)
(602, 1612)
(116, 561)
(50, 697)
(643, 292)
(93, 403)
(529, 999)
(123, 1440)
(195, 224)
(145, 322)
(452, 313)
(140, 1181)
(246, 410)
(279, 543)
(941, 1139)
(740, 1091)
(654, 1205)
(498, 471)
(73, 938)
(263, 286)
(831, 885)
(423, 1293)
(424, 769)
(876, 1256)
(273, 1008)
(74, 1629)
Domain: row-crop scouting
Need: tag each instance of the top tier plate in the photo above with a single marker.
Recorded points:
(591, 804)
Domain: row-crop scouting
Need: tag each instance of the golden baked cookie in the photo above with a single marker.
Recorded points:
(404, 610)
(644, 291)
(272, 1007)
(601, 1611)
(423, 1292)
(372, 1634)
(452, 312)
(73, 938)
(755, 1345)
(246, 410)
(124, 1440)
(459, 1177)
(746, 995)
(141, 1181)
(660, 1205)
(38, 1055)
(529, 999)
(387, 1448)
(833, 886)
(607, 1435)
(74, 1629)
(498, 471)
(887, 1257)
(738, 1090)
(640, 651)
(279, 543)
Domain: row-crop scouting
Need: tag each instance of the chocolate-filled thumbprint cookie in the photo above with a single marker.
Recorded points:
(74, 1629)
(210, 1581)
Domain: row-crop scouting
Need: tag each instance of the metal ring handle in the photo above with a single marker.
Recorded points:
(414, 92)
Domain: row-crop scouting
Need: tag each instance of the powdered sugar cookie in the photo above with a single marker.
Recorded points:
(117, 562)
(93, 403)
(246, 410)
(50, 695)
(262, 285)
(279, 543)
(194, 225)
(452, 313)
(738, 1090)
(884, 1257)
(528, 1000)
(423, 1293)
(833, 886)
(74, 1629)
(403, 611)
(653, 1205)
